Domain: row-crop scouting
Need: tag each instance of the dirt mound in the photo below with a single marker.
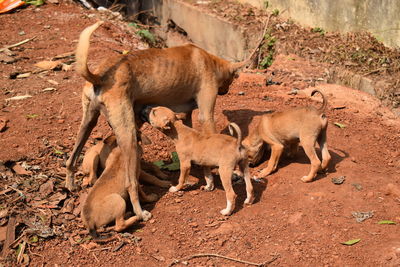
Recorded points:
(290, 223)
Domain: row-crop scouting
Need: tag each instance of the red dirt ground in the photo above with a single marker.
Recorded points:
(291, 222)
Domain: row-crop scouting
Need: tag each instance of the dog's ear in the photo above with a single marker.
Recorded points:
(180, 116)
(237, 66)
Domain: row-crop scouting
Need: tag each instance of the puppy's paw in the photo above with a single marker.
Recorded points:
(152, 197)
(306, 179)
(207, 188)
(146, 215)
(165, 184)
(249, 200)
(226, 212)
(173, 189)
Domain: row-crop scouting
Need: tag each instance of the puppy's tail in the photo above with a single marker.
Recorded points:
(324, 102)
(232, 126)
(82, 52)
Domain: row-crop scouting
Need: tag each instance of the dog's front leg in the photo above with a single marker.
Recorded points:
(89, 121)
(185, 169)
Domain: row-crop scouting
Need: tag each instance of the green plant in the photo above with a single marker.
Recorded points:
(269, 44)
(275, 12)
(34, 2)
(266, 4)
(267, 60)
(146, 35)
(318, 30)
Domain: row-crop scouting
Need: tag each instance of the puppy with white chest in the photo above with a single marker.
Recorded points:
(207, 150)
(304, 125)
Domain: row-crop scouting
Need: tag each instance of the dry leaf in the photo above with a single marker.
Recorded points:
(20, 170)
(18, 97)
(48, 65)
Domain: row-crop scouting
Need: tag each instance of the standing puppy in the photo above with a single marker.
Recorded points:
(306, 125)
(207, 150)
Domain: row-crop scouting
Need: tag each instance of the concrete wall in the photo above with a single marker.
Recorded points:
(380, 17)
(209, 32)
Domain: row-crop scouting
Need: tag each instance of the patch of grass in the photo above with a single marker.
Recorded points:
(275, 12)
(266, 4)
(318, 30)
(269, 45)
(144, 34)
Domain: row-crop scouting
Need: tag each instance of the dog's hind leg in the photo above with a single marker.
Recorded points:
(226, 179)
(89, 121)
(118, 207)
(206, 103)
(244, 168)
(326, 157)
(308, 144)
(121, 117)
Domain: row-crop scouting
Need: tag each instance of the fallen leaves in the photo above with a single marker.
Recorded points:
(351, 242)
(49, 65)
(174, 166)
(19, 97)
(386, 222)
(340, 125)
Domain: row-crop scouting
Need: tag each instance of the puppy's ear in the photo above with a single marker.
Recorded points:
(167, 124)
(180, 115)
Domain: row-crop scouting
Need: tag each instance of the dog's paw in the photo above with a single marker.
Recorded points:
(306, 179)
(173, 189)
(146, 215)
(249, 200)
(207, 188)
(226, 212)
(152, 197)
(165, 184)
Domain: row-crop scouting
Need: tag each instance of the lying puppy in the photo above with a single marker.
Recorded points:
(123, 84)
(205, 149)
(305, 125)
(106, 201)
(96, 157)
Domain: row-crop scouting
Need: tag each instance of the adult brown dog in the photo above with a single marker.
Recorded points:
(279, 129)
(106, 201)
(96, 157)
(207, 150)
(122, 84)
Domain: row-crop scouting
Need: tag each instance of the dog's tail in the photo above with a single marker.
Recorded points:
(232, 126)
(82, 52)
(324, 102)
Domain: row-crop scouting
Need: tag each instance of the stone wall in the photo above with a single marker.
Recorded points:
(379, 17)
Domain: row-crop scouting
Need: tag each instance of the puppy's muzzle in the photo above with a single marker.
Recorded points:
(144, 113)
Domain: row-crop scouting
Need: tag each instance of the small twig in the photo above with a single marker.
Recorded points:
(119, 246)
(101, 249)
(17, 44)
(260, 41)
(95, 257)
(225, 257)
(33, 253)
(374, 71)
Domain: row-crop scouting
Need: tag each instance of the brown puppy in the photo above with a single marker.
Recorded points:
(106, 201)
(305, 125)
(122, 84)
(207, 150)
(96, 157)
